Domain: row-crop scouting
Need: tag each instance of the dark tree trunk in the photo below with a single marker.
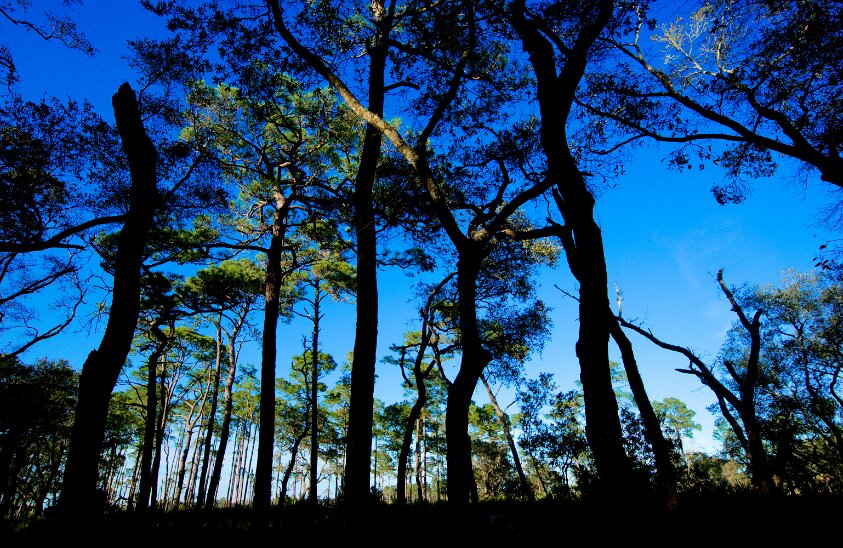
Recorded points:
(102, 367)
(359, 443)
(582, 240)
(294, 451)
(652, 428)
(225, 428)
(526, 491)
(145, 481)
(163, 415)
(361, 409)
(314, 398)
(760, 469)
(212, 415)
(415, 413)
(365, 341)
(461, 486)
(272, 292)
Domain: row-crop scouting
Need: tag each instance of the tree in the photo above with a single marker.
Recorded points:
(365, 342)
(504, 421)
(677, 419)
(746, 375)
(229, 290)
(48, 25)
(36, 414)
(329, 276)
(757, 78)
(419, 342)
(101, 369)
(448, 64)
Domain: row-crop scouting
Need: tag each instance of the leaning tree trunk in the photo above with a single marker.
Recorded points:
(102, 367)
(201, 495)
(652, 428)
(294, 452)
(225, 428)
(163, 416)
(526, 491)
(145, 483)
(412, 419)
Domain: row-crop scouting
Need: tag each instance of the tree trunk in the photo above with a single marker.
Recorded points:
(314, 397)
(294, 451)
(359, 454)
(214, 482)
(526, 491)
(201, 496)
(652, 428)
(272, 293)
(145, 482)
(415, 413)
(418, 460)
(190, 423)
(102, 368)
(461, 485)
(163, 416)
(582, 241)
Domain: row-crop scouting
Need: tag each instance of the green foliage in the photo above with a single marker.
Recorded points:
(36, 415)
(676, 418)
(796, 404)
(553, 436)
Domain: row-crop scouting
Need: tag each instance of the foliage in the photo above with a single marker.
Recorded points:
(36, 415)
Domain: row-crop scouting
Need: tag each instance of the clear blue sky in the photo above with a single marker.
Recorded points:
(665, 236)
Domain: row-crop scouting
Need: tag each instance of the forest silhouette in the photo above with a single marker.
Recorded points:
(272, 158)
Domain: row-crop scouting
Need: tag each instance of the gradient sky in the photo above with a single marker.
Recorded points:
(665, 237)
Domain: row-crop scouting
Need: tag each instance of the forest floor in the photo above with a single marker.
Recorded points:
(733, 520)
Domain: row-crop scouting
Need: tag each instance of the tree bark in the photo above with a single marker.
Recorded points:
(475, 358)
(761, 472)
(272, 293)
(294, 451)
(145, 481)
(102, 367)
(415, 413)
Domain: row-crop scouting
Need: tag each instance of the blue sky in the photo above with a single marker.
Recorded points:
(665, 237)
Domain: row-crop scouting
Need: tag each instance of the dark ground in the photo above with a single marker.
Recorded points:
(733, 520)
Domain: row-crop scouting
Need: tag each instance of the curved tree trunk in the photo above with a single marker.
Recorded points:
(145, 481)
(294, 451)
(582, 240)
(407, 441)
(161, 425)
(102, 367)
(461, 485)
